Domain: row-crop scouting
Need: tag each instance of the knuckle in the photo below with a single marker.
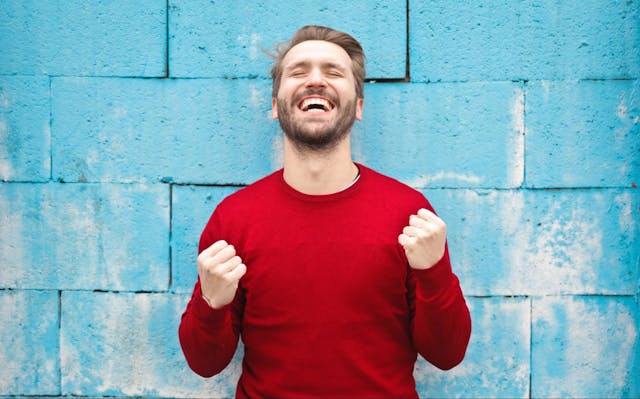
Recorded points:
(200, 259)
(202, 264)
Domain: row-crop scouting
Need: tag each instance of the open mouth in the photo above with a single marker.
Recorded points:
(315, 104)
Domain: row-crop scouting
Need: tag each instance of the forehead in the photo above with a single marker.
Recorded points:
(316, 51)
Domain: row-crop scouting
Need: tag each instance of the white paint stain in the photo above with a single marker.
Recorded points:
(556, 249)
(26, 360)
(92, 158)
(75, 222)
(136, 359)
(15, 243)
(13, 358)
(5, 101)
(76, 373)
(484, 371)
(130, 317)
(628, 122)
(120, 113)
(515, 154)
(546, 87)
(250, 41)
(626, 221)
(6, 169)
(622, 110)
(425, 180)
(256, 96)
(599, 344)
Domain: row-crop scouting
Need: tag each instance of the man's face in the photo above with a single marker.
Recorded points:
(317, 102)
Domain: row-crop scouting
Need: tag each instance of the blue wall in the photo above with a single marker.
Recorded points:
(123, 124)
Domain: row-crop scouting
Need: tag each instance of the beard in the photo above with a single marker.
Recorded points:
(316, 138)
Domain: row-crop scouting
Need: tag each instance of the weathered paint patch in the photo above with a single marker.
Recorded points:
(542, 39)
(200, 131)
(203, 45)
(542, 242)
(30, 351)
(515, 150)
(77, 236)
(117, 38)
(449, 135)
(496, 364)
(127, 345)
(24, 128)
(583, 134)
(586, 347)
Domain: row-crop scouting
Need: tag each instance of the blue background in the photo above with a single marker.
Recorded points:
(123, 124)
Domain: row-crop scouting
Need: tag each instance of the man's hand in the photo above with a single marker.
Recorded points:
(423, 239)
(220, 271)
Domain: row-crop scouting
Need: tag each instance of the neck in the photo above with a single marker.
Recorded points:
(319, 173)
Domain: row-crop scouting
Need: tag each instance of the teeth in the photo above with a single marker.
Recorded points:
(307, 103)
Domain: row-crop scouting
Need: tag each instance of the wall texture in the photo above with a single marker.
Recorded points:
(123, 123)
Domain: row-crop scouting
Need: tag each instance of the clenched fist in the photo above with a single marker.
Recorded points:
(220, 270)
(423, 239)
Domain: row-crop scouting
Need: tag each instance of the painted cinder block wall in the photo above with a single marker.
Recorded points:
(123, 124)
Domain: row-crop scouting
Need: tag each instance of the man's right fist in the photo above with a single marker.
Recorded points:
(220, 270)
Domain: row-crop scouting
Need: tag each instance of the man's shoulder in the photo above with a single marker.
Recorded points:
(255, 192)
(395, 194)
(393, 185)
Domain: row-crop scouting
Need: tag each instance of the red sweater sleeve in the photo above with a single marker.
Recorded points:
(441, 324)
(209, 337)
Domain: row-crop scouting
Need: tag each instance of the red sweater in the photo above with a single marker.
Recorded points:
(329, 306)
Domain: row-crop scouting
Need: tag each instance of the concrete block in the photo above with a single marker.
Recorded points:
(78, 236)
(73, 37)
(542, 242)
(444, 135)
(29, 353)
(497, 361)
(191, 208)
(541, 39)
(583, 134)
(126, 130)
(204, 44)
(127, 345)
(25, 134)
(585, 347)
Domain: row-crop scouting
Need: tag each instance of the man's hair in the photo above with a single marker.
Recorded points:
(315, 32)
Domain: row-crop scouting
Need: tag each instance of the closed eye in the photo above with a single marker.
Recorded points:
(297, 73)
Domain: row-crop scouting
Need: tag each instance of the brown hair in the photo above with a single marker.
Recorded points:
(315, 32)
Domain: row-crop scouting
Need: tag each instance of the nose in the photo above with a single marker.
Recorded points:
(316, 78)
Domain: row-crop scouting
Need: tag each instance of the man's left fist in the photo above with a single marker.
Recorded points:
(424, 239)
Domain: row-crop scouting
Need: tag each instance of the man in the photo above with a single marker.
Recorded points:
(334, 276)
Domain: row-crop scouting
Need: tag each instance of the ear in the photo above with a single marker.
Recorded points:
(274, 108)
(359, 107)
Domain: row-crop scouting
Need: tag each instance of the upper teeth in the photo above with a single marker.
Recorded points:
(315, 101)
